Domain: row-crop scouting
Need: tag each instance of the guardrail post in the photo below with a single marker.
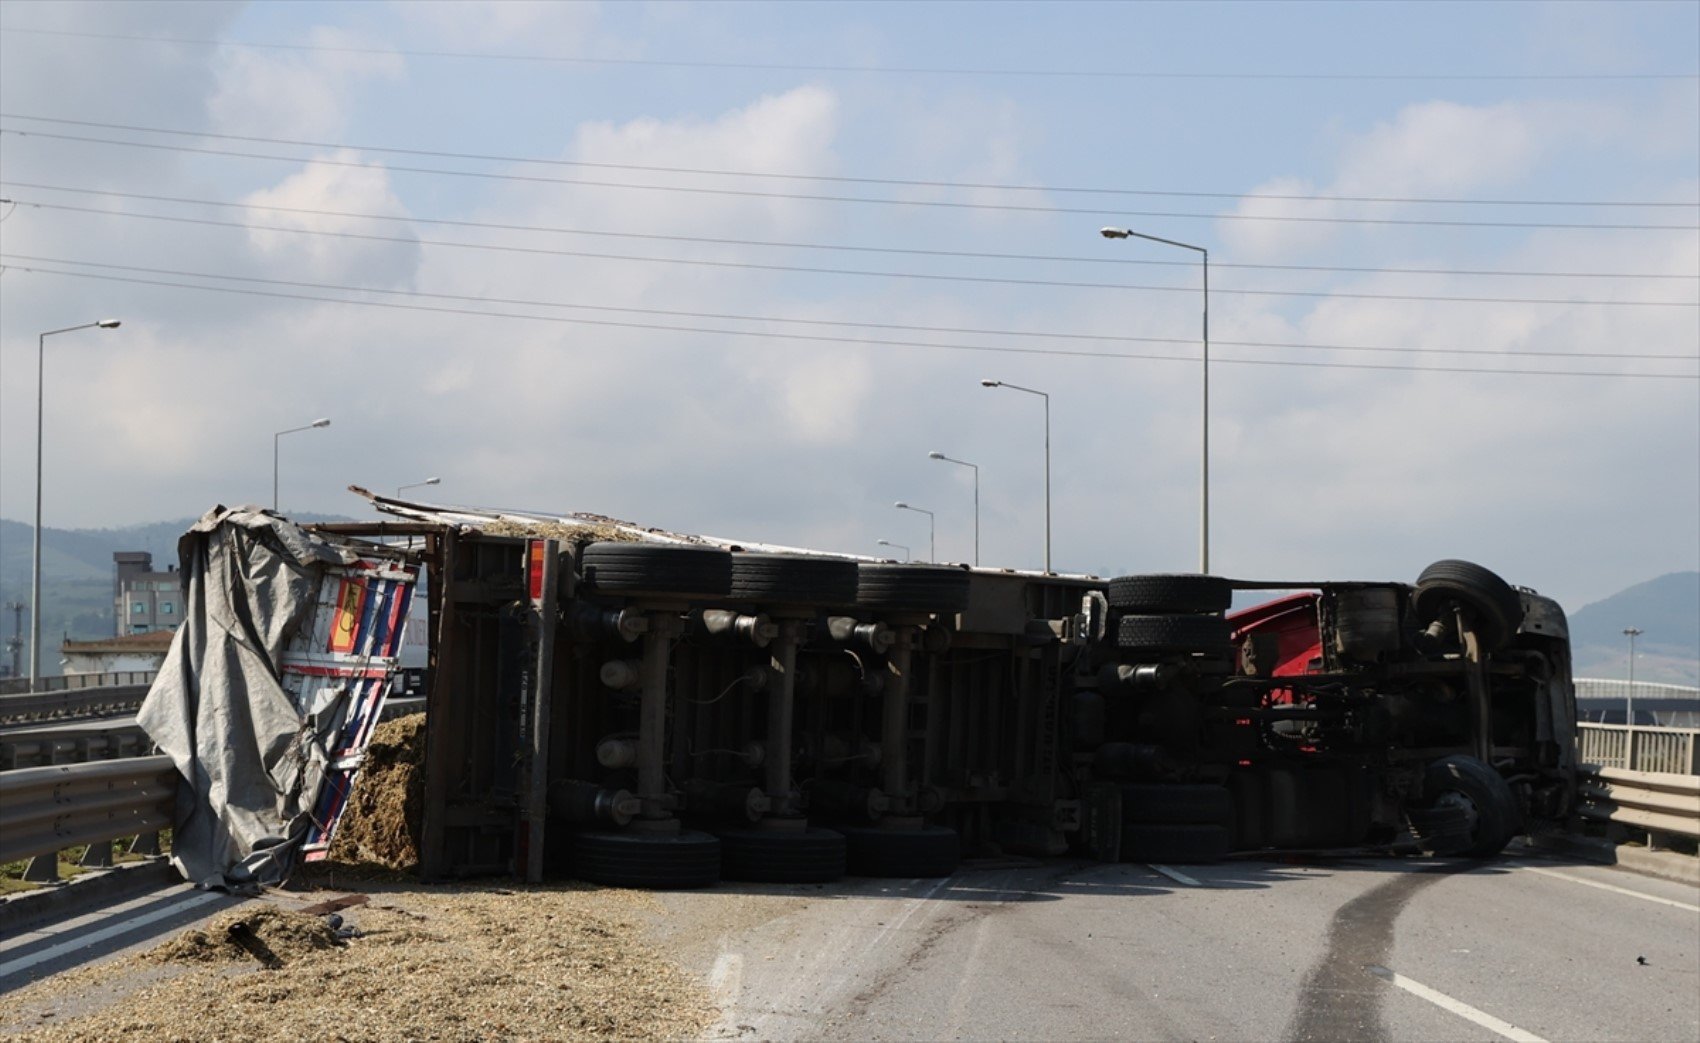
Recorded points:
(43, 869)
(146, 844)
(97, 855)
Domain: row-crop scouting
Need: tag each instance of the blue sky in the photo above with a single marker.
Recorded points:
(1578, 485)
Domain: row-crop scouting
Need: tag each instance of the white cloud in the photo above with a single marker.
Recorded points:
(546, 26)
(1436, 149)
(297, 94)
(310, 200)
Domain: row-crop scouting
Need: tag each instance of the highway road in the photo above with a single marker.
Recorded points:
(1361, 949)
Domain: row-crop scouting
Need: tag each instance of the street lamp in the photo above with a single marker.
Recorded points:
(35, 574)
(899, 546)
(1047, 398)
(1204, 437)
(936, 455)
(321, 422)
(932, 529)
(414, 485)
(1629, 703)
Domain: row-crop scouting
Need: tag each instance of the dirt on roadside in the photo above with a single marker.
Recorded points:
(463, 963)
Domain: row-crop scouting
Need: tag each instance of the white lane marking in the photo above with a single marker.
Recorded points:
(1174, 874)
(727, 978)
(1458, 1007)
(1613, 887)
(81, 941)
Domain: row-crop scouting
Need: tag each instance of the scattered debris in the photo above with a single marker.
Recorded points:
(265, 933)
(381, 824)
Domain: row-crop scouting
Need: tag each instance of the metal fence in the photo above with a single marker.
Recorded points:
(45, 810)
(71, 682)
(1640, 748)
(79, 702)
(1651, 801)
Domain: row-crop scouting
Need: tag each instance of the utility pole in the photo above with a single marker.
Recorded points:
(15, 645)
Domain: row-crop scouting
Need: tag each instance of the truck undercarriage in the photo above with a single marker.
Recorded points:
(647, 709)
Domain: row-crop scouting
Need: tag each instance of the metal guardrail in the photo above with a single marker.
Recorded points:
(1640, 747)
(71, 742)
(73, 682)
(1654, 801)
(46, 810)
(80, 702)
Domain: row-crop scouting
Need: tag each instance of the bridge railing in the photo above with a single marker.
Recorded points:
(1636, 747)
(72, 682)
(43, 811)
(1654, 802)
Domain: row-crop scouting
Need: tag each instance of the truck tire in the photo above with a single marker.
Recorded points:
(1496, 607)
(650, 861)
(656, 568)
(1175, 842)
(777, 856)
(1174, 634)
(929, 851)
(1489, 807)
(914, 588)
(796, 579)
(1164, 593)
(1184, 803)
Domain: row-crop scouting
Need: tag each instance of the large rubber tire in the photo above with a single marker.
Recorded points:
(1496, 607)
(1162, 593)
(780, 856)
(655, 568)
(1175, 842)
(915, 588)
(1176, 803)
(930, 851)
(650, 861)
(1493, 816)
(1174, 634)
(795, 579)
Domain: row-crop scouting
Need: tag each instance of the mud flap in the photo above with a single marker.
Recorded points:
(1101, 821)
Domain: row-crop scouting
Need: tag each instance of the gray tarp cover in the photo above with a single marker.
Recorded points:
(251, 761)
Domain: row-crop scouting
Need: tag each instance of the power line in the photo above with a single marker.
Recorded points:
(833, 339)
(870, 200)
(722, 316)
(869, 273)
(838, 179)
(907, 70)
(841, 247)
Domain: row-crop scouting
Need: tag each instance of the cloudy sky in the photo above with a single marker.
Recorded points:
(737, 268)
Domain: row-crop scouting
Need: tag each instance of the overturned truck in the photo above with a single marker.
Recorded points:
(648, 709)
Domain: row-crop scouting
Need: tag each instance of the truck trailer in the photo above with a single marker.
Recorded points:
(642, 708)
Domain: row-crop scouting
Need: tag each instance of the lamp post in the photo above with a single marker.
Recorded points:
(1629, 701)
(1204, 435)
(932, 529)
(1047, 398)
(321, 422)
(35, 569)
(414, 485)
(936, 455)
(899, 546)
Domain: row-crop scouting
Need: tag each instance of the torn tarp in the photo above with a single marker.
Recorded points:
(270, 689)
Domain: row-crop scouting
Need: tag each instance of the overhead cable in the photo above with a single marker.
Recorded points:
(1112, 258)
(868, 273)
(1099, 212)
(870, 342)
(842, 179)
(905, 70)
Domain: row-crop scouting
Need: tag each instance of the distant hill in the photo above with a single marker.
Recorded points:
(76, 578)
(1666, 610)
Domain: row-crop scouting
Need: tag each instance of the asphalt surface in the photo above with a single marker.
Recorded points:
(1363, 949)
(1366, 949)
